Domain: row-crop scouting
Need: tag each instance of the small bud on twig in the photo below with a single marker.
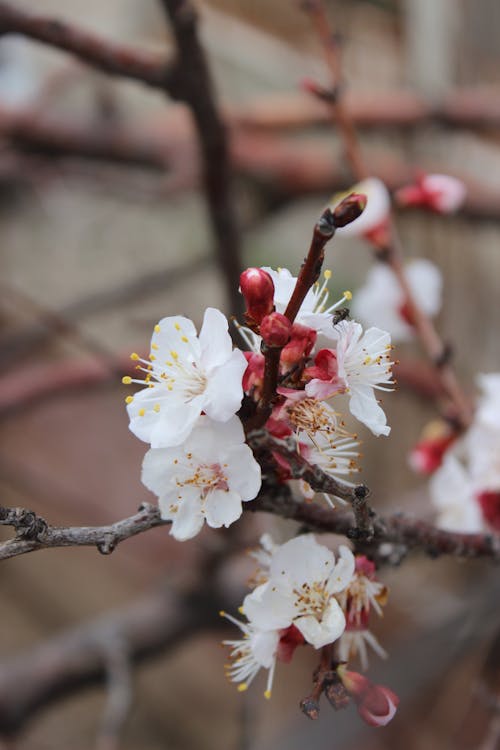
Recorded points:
(257, 288)
(275, 329)
(349, 209)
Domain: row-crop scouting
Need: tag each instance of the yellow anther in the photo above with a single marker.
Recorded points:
(185, 339)
(157, 328)
(156, 408)
(177, 327)
(174, 354)
(367, 360)
(327, 274)
(152, 357)
(142, 412)
(222, 613)
(241, 610)
(134, 356)
(154, 346)
(267, 694)
(242, 687)
(126, 380)
(129, 399)
(348, 294)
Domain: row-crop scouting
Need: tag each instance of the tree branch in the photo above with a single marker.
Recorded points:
(102, 54)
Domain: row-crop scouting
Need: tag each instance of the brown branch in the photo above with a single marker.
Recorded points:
(397, 529)
(197, 91)
(102, 54)
(33, 533)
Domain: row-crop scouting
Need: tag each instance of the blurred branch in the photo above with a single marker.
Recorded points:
(119, 689)
(102, 54)
(76, 660)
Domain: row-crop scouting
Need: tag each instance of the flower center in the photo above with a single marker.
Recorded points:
(313, 416)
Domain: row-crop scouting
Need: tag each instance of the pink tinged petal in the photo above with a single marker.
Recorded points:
(243, 472)
(322, 389)
(222, 508)
(363, 405)
(269, 607)
(378, 706)
(327, 631)
(215, 341)
(224, 391)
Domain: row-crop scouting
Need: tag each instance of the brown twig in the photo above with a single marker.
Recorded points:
(119, 693)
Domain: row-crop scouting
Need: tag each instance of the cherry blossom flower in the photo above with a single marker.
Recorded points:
(185, 376)
(363, 364)
(255, 651)
(440, 192)
(380, 302)
(204, 479)
(315, 312)
(373, 222)
(363, 594)
(334, 454)
(303, 581)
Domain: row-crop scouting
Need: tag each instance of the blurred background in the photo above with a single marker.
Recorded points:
(96, 247)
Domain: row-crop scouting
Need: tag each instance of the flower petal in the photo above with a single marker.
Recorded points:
(330, 628)
(224, 392)
(215, 341)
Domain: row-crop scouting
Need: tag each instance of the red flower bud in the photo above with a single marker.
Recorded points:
(349, 209)
(489, 500)
(290, 638)
(275, 329)
(376, 703)
(301, 342)
(257, 288)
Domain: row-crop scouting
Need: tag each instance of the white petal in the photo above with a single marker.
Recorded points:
(224, 392)
(243, 472)
(302, 560)
(331, 627)
(269, 607)
(157, 468)
(426, 283)
(222, 508)
(188, 521)
(343, 571)
(215, 341)
(210, 440)
(169, 338)
(264, 645)
(363, 405)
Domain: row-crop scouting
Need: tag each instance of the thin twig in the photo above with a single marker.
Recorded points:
(119, 688)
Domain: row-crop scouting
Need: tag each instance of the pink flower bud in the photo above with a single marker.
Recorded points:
(275, 329)
(427, 455)
(301, 342)
(489, 500)
(257, 288)
(349, 209)
(376, 703)
(253, 376)
(290, 638)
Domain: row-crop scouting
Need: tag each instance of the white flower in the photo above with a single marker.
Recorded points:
(186, 375)
(380, 301)
(303, 579)
(377, 208)
(335, 454)
(488, 407)
(355, 642)
(257, 650)
(453, 495)
(364, 365)
(315, 312)
(204, 479)
(446, 194)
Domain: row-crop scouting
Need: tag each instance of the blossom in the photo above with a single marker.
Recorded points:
(363, 594)
(300, 591)
(334, 454)
(315, 312)
(436, 439)
(363, 364)
(452, 493)
(255, 651)
(374, 219)
(440, 192)
(381, 301)
(204, 479)
(185, 376)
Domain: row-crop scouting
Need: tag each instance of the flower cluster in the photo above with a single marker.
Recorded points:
(465, 487)
(204, 404)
